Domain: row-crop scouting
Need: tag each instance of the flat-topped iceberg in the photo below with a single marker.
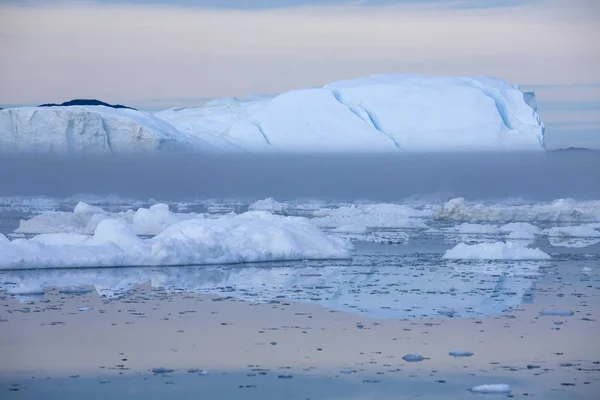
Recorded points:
(250, 237)
(383, 113)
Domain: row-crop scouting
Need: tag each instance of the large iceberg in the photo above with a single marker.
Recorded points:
(250, 237)
(383, 113)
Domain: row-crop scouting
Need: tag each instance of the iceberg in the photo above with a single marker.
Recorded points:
(250, 237)
(89, 129)
(381, 113)
(85, 218)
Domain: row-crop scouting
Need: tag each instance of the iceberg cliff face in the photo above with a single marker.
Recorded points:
(378, 113)
(384, 113)
(88, 129)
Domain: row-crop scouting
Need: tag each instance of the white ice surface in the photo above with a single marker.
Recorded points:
(250, 237)
(494, 251)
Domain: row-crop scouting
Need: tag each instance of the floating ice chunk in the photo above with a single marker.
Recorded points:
(586, 270)
(499, 388)
(83, 309)
(75, 291)
(558, 211)
(346, 371)
(84, 208)
(25, 290)
(520, 227)
(556, 313)
(561, 241)
(574, 231)
(494, 251)
(521, 235)
(351, 228)
(477, 228)
(268, 204)
(413, 358)
(251, 237)
(153, 220)
(380, 215)
(161, 370)
(53, 222)
(460, 353)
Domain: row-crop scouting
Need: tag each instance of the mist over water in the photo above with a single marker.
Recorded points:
(545, 176)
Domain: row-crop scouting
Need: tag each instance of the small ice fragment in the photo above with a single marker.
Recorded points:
(460, 353)
(26, 290)
(556, 313)
(285, 376)
(346, 371)
(75, 291)
(83, 309)
(447, 313)
(161, 370)
(203, 372)
(586, 270)
(413, 358)
(495, 388)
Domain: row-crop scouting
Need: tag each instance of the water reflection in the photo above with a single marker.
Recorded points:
(414, 290)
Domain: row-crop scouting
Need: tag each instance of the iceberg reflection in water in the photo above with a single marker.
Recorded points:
(415, 289)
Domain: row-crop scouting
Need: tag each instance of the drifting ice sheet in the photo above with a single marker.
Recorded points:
(251, 237)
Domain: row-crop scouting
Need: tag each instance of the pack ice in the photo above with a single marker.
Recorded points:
(383, 113)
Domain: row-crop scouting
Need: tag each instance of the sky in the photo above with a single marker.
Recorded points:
(156, 54)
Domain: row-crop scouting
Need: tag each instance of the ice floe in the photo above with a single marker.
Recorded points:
(494, 251)
(498, 388)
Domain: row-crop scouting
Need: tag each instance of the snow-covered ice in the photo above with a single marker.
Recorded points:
(250, 237)
(382, 113)
(494, 251)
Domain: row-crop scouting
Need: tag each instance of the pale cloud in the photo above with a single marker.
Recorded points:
(142, 51)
